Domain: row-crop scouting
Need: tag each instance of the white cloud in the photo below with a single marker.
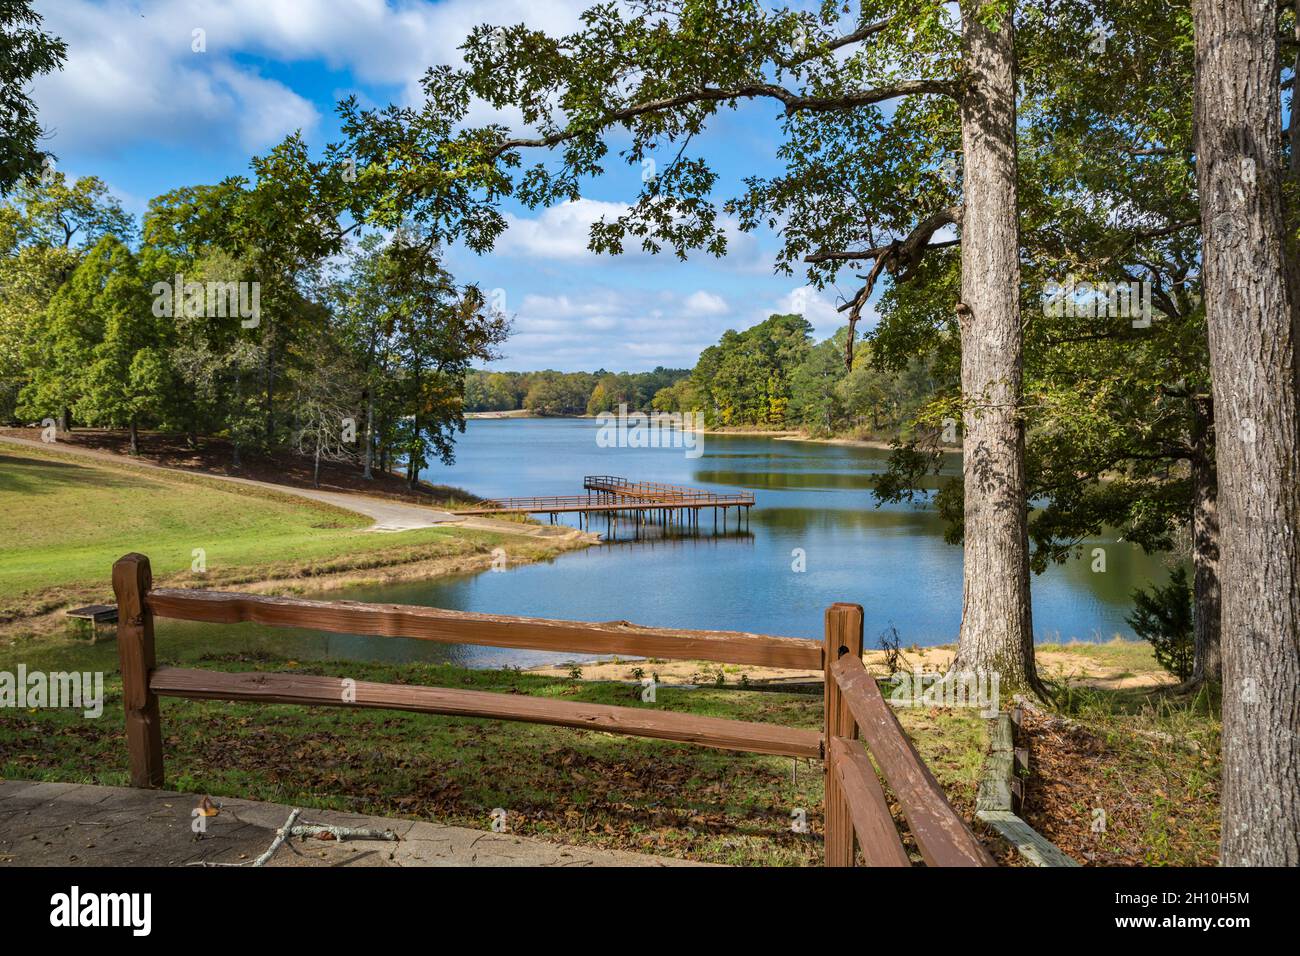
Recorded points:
(631, 328)
(817, 309)
(706, 303)
(560, 232)
(131, 73)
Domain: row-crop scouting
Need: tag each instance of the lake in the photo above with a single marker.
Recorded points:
(814, 507)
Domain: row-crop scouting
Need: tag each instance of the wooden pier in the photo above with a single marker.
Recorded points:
(647, 502)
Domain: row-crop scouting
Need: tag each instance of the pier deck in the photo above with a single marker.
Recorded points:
(610, 494)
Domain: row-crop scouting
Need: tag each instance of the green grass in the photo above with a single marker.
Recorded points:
(65, 522)
(1134, 656)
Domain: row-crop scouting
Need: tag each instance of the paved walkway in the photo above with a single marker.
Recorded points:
(65, 824)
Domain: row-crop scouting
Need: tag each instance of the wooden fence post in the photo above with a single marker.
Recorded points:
(843, 636)
(132, 579)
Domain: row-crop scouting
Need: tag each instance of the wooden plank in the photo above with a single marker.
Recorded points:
(496, 630)
(98, 613)
(132, 579)
(942, 835)
(995, 782)
(634, 721)
(843, 636)
(1001, 736)
(872, 822)
(1031, 844)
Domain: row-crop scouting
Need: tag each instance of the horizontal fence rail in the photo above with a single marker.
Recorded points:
(494, 630)
(714, 732)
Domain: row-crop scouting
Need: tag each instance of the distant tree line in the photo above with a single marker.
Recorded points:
(774, 376)
(566, 393)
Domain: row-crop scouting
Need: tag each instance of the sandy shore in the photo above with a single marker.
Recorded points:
(1058, 662)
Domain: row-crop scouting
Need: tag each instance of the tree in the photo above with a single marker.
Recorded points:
(25, 53)
(1163, 618)
(127, 377)
(325, 412)
(439, 330)
(74, 216)
(57, 359)
(1252, 298)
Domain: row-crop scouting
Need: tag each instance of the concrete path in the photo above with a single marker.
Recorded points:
(387, 515)
(65, 824)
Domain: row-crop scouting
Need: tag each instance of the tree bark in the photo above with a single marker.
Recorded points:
(1250, 302)
(997, 635)
(135, 438)
(1208, 661)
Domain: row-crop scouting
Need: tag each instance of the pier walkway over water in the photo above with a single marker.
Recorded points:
(646, 501)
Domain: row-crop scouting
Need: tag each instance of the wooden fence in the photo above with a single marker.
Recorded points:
(855, 801)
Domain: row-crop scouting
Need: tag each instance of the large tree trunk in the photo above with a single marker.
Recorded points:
(1208, 661)
(997, 635)
(135, 438)
(1250, 302)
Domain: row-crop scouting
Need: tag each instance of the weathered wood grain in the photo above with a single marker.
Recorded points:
(942, 835)
(635, 721)
(843, 636)
(496, 630)
(132, 579)
(872, 822)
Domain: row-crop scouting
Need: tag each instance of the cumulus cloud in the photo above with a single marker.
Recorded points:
(560, 232)
(705, 303)
(633, 329)
(131, 74)
(817, 308)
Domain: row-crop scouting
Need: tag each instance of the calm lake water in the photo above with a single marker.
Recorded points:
(815, 497)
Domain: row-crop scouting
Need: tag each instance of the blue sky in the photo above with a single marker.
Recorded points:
(138, 107)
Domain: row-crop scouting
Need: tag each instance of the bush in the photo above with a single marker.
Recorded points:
(1163, 617)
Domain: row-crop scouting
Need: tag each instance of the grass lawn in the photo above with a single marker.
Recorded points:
(65, 521)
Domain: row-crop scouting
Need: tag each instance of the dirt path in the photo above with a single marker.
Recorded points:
(386, 515)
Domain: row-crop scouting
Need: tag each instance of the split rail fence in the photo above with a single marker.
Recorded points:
(856, 712)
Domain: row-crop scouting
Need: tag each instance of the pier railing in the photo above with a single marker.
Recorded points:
(855, 803)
